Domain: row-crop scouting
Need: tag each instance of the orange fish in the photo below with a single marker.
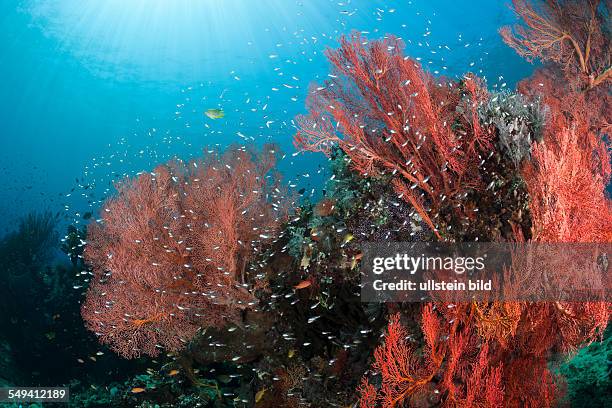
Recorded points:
(137, 390)
(303, 284)
(172, 373)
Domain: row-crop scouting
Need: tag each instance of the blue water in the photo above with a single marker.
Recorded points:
(91, 90)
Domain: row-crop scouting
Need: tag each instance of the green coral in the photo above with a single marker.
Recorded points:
(298, 239)
(345, 186)
(588, 375)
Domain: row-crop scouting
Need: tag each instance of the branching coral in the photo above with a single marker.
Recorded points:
(573, 33)
(171, 252)
(570, 170)
(566, 180)
(28, 247)
(479, 354)
(440, 369)
(390, 117)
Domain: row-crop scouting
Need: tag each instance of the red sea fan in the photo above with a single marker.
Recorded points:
(566, 182)
(402, 372)
(571, 33)
(572, 37)
(465, 364)
(391, 117)
(566, 178)
(171, 252)
(367, 393)
(454, 368)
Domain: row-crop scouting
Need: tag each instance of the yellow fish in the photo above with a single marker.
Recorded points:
(172, 373)
(214, 113)
(260, 395)
(347, 238)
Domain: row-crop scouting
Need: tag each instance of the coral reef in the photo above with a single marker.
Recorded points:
(254, 308)
(570, 165)
(447, 355)
(568, 199)
(393, 117)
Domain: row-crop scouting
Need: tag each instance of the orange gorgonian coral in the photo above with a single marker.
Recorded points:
(170, 254)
